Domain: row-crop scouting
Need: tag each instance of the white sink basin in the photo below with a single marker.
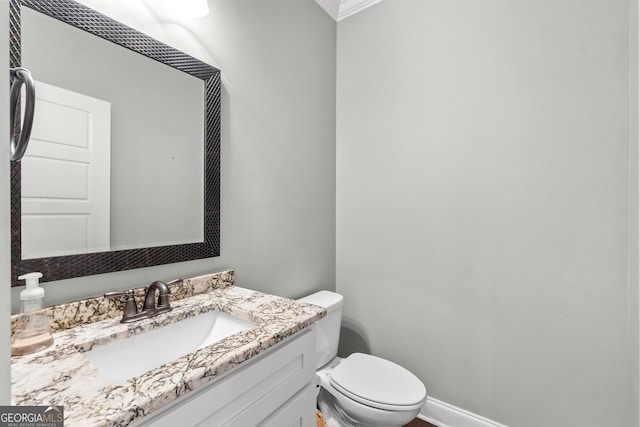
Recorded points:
(127, 358)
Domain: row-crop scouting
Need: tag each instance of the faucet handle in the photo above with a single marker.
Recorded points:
(116, 294)
(130, 307)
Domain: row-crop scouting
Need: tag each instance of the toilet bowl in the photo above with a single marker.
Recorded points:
(360, 390)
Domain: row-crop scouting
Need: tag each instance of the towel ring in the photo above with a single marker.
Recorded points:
(20, 137)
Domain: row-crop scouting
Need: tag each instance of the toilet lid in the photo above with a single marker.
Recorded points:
(377, 382)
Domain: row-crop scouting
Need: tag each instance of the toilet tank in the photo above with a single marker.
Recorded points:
(327, 328)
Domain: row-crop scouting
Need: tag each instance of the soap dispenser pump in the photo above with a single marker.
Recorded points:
(32, 332)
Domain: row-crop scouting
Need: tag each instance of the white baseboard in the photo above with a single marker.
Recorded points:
(443, 414)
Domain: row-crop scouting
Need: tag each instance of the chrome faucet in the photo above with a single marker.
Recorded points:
(149, 308)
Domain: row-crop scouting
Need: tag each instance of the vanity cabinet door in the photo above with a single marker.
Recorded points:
(296, 412)
(252, 394)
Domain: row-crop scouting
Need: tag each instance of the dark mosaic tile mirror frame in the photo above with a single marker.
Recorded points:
(64, 267)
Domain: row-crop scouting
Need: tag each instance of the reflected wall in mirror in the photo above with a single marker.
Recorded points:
(163, 147)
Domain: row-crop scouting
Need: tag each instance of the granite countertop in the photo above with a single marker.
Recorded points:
(61, 375)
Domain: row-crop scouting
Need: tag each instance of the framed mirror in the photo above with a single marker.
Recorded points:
(163, 161)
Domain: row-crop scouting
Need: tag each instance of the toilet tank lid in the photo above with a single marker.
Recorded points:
(327, 299)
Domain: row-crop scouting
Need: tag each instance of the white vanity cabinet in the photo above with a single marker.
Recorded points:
(276, 388)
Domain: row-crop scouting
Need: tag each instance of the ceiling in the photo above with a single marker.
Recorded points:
(340, 9)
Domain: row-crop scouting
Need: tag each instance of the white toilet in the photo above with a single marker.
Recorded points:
(360, 390)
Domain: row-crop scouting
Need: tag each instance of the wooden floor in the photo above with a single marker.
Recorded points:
(419, 423)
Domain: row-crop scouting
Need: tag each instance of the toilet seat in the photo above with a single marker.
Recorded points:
(378, 383)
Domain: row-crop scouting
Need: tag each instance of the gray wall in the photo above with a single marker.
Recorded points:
(278, 144)
(634, 180)
(482, 203)
(634, 214)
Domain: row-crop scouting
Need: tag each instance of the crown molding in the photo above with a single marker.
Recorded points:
(340, 9)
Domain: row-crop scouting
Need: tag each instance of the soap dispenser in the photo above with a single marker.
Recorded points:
(32, 332)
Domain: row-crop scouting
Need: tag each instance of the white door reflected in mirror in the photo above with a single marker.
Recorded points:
(66, 175)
